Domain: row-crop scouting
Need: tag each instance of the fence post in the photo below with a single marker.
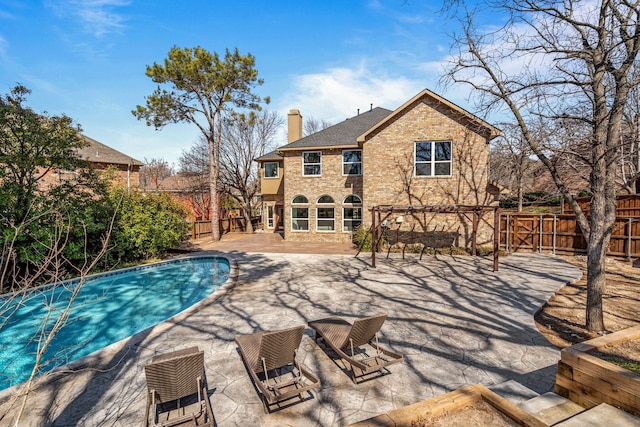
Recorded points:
(507, 234)
(540, 234)
(628, 239)
(555, 218)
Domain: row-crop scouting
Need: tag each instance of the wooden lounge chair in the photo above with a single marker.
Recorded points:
(349, 342)
(270, 358)
(176, 389)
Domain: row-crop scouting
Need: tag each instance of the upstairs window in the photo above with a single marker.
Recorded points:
(433, 158)
(352, 162)
(271, 170)
(311, 163)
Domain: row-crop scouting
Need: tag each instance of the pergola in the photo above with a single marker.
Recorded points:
(475, 214)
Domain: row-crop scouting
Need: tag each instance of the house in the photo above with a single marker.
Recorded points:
(189, 189)
(118, 167)
(427, 152)
(125, 169)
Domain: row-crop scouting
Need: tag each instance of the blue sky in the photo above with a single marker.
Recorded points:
(87, 58)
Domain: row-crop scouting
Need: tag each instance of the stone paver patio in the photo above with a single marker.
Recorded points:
(456, 321)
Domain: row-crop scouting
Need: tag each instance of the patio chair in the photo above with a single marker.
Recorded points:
(176, 389)
(270, 358)
(349, 342)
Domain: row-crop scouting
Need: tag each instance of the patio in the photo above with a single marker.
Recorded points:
(455, 320)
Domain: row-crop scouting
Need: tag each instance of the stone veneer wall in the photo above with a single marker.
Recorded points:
(331, 183)
(389, 180)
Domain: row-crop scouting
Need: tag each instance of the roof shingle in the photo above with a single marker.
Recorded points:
(97, 152)
(343, 134)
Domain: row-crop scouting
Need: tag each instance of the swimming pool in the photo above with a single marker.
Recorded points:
(108, 308)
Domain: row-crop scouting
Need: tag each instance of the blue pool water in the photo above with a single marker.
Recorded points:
(107, 309)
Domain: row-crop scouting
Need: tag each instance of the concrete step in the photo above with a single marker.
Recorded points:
(551, 408)
(513, 391)
(602, 415)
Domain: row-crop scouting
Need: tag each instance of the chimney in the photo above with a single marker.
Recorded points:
(295, 126)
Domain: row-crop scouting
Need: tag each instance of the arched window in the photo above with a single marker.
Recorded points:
(299, 199)
(300, 214)
(323, 200)
(351, 213)
(352, 199)
(325, 215)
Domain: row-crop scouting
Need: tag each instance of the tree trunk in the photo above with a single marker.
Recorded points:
(247, 218)
(596, 254)
(520, 196)
(213, 184)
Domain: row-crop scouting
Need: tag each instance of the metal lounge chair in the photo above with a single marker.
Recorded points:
(174, 381)
(270, 358)
(349, 342)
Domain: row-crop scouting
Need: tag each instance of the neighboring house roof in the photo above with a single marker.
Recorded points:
(179, 183)
(341, 135)
(272, 156)
(470, 119)
(96, 152)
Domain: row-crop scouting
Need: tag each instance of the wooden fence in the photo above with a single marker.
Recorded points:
(227, 225)
(553, 233)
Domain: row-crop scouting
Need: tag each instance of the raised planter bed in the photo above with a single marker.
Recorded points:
(589, 380)
(466, 403)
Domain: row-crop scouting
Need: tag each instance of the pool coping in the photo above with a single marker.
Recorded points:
(135, 339)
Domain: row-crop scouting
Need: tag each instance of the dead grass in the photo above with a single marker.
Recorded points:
(562, 319)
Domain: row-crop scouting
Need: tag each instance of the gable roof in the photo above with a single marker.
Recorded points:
(96, 152)
(341, 135)
(482, 127)
(272, 156)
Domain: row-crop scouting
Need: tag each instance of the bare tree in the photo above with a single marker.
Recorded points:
(630, 147)
(313, 125)
(153, 172)
(511, 163)
(245, 138)
(561, 61)
(56, 317)
(193, 165)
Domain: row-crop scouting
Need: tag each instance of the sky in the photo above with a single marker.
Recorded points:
(87, 58)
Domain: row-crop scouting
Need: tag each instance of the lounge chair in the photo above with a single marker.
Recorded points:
(270, 358)
(174, 381)
(349, 342)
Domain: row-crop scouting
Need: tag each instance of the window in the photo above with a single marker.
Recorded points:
(351, 215)
(325, 216)
(311, 163)
(299, 215)
(352, 162)
(433, 158)
(269, 216)
(271, 169)
(299, 200)
(323, 200)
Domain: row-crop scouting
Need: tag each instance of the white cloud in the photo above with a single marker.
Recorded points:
(3, 47)
(338, 93)
(96, 16)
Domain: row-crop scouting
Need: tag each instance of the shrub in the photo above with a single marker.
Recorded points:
(146, 225)
(362, 238)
